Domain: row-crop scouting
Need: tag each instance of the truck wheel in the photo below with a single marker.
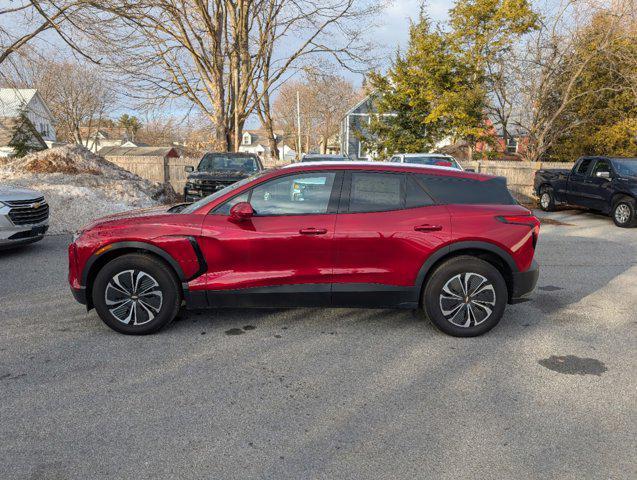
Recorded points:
(465, 296)
(136, 294)
(624, 212)
(547, 200)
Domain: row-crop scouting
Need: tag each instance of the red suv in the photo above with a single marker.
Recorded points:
(347, 234)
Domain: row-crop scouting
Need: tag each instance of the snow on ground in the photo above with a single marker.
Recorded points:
(81, 186)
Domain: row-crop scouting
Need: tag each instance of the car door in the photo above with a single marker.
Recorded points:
(597, 189)
(286, 247)
(576, 184)
(386, 229)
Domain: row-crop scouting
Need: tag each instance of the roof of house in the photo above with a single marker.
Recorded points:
(362, 102)
(137, 151)
(260, 137)
(8, 126)
(13, 101)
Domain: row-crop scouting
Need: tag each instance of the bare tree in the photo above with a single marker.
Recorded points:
(548, 74)
(79, 96)
(324, 31)
(22, 21)
(324, 100)
(227, 57)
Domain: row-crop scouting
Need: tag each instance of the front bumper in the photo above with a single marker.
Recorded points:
(15, 235)
(79, 294)
(524, 282)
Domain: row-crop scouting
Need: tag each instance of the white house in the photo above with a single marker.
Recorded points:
(256, 141)
(14, 101)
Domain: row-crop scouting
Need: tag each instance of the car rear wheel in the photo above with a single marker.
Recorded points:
(465, 296)
(136, 294)
(547, 200)
(624, 212)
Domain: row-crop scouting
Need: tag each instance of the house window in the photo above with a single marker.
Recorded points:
(247, 139)
(512, 145)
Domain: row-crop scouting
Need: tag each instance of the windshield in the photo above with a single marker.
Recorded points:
(218, 194)
(627, 168)
(433, 160)
(228, 162)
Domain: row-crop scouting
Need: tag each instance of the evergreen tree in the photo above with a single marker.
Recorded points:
(439, 88)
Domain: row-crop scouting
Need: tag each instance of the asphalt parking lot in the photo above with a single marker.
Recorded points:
(328, 394)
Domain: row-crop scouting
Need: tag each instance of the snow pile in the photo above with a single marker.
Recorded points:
(81, 186)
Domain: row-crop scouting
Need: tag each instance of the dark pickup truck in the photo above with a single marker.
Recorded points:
(218, 170)
(604, 184)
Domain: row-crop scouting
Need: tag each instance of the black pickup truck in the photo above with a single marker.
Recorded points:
(604, 184)
(218, 170)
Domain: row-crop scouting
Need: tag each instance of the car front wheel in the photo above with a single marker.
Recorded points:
(624, 212)
(547, 200)
(136, 294)
(465, 296)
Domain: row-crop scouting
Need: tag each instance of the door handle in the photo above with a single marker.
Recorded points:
(313, 231)
(428, 228)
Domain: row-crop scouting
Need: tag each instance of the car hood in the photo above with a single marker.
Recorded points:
(129, 215)
(10, 193)
(226, 175)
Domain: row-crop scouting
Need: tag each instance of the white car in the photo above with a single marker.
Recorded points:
(431, 159)
(24, 216)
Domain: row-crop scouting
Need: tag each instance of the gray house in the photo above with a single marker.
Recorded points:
(353, 123)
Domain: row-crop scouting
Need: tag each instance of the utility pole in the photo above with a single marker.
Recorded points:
(298, 125)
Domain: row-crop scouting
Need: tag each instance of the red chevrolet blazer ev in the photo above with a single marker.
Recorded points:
(346, 234)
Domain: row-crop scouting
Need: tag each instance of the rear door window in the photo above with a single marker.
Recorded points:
(376, 192)
(454, 190)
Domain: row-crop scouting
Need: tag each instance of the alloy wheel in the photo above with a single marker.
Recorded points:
(622, 213)
(133, 297)
(467, 299)
(545, 200)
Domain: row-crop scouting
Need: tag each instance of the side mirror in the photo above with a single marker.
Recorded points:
(241, 212)
(189, 168)
(602, 174)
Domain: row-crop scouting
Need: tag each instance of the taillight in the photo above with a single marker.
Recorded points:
(526, 220)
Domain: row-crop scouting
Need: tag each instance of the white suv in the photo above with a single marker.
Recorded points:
(24, 216)
(431, 159)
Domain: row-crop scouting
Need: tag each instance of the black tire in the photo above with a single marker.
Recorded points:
(547, 199)
(160, 303)
(458, 269)
(624, 212)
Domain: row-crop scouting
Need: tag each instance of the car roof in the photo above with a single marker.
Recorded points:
(385, 166)
(443, 155)
(233, 154)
